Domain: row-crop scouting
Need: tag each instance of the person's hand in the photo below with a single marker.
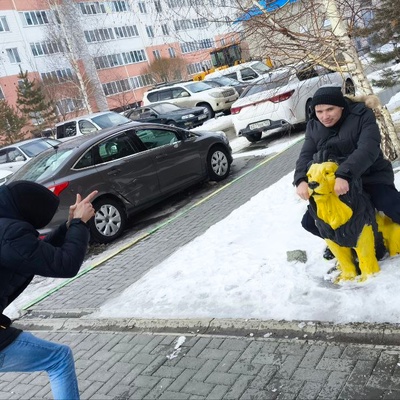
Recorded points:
(82, 209)
(303, 191)
(341, 186)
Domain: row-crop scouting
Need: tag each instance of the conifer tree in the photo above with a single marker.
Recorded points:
(385, 29)
(33, 104)
(10, 124)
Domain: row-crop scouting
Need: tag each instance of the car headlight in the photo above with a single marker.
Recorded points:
(187, 116)
(217, 95)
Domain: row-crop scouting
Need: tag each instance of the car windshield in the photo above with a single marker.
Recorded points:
(166, 108)
(226, 81)
(110, 119)
(42, 166)
(32, 149)
(271, 81)
(197, 87)
(260, 67)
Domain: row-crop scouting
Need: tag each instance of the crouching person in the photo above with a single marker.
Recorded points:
(24, 208)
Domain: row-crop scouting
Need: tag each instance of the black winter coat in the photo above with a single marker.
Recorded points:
(357, 140)
(23, 255)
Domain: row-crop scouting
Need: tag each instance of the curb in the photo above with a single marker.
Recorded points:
(377, 334)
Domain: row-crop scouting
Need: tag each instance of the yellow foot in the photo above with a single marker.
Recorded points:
(342, 277)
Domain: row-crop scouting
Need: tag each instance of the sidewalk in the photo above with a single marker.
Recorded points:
(204, 359)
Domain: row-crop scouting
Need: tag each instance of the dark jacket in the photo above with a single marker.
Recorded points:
(23, 254)
(357, 140)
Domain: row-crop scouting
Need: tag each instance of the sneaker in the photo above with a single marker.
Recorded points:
(328, 255)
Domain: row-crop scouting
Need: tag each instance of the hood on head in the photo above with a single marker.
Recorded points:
(33, 203)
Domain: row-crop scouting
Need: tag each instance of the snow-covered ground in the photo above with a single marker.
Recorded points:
(221, 275)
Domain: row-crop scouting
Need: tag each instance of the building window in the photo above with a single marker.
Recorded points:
(118, 6)
(113, 60)
(65, 106)
(126, 31)
(58, 76)
(43, 48)
(2, 97)
(140, 81)
(189, 47)
(200, 23)
(157, 5)
(3, 25)
(13, 55)
(115, 87)
(134, 56)
(31, 18)
(149, 30)
(177, 3)
(198, 67)
(99, 35)
(164, 29)
(97, 7)
(172, 52)
(223, 42)
(157, 54)
(142, 8)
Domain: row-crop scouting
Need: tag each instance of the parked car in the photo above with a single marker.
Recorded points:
(281, 99)
(88, 123)
(218, 81)
(193, 94)
(169, 114)
(245, 72)
(132, 166)
(14, 156)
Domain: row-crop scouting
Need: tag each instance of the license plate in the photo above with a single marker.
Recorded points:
(259, 125)
(203, 116)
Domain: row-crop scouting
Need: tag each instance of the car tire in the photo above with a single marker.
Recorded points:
(218, 165)
(170, 123)
(210, 111)
(109, 220)
(309, 110)
(255, 137)
(349, 87)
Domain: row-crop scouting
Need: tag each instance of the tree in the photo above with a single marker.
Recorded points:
(33, 105)
(167, 69)
(384, 29)
(317, 32)
(11, 124)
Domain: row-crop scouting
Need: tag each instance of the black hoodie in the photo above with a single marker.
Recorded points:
(25, 207)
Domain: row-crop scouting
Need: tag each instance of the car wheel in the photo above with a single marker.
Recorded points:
(170, 123)
(108, 222)
(349, 87)
(255, 137)
(210, 111)
(309, 110)
(218, 165)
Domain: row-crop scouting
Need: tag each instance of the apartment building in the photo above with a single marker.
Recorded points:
(94, 55)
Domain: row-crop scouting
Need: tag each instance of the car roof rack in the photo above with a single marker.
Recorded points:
(166, 84)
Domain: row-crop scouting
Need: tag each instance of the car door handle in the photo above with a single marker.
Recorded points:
(114, 171)
(161, 156)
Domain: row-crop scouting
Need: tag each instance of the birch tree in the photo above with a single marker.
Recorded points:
(320, 32)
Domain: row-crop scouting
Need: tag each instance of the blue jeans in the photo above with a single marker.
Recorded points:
(27, 353)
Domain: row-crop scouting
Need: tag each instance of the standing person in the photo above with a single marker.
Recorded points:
(24, 208)
(347, 129)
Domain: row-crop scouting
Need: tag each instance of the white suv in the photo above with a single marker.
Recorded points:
(88, 123)
(194, 94)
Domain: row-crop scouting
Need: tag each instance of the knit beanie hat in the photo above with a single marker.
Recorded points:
(330, 95)
(35, 203)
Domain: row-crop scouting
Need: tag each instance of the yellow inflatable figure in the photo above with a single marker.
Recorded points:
(349, 222)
